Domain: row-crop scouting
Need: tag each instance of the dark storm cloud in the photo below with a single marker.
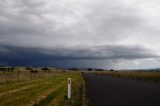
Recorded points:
(89, 52)
(77, 56)
(104, 52)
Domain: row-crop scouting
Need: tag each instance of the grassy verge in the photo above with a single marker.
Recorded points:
(31, 94)
(84, 95)
(50, 91)
(148, 76)
(59, 96)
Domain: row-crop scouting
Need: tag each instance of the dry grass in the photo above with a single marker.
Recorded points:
(47, 91)
(149, 76)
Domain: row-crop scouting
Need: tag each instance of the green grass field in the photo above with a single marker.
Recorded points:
(48, 91)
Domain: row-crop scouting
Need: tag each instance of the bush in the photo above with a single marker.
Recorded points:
(34, 71)
(99, 70)
(28, 68)
(90, 69)
(74, 68)
(45, 68)
(111, 69)
(6, 69)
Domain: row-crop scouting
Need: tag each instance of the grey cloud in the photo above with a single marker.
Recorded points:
(106, 52)
(67, 29)
(106, 21)
(88, 52)
(106, 56)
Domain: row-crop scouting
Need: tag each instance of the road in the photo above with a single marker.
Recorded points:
(114, 91)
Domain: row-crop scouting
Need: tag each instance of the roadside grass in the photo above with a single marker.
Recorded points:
(84, 93)
(76, 91)
(18, 84)
(30, 94)
(49, 91)
(59, 96)
(148, 76)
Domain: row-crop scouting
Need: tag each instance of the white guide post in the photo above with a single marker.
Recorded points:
(69, 88)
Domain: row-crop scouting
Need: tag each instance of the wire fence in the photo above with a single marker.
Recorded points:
(24, 75)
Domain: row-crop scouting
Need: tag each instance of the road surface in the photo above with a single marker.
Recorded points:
(114, 91)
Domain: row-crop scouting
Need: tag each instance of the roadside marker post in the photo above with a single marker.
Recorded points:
(69, 88)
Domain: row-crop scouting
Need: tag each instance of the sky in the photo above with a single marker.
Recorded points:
(119, 34)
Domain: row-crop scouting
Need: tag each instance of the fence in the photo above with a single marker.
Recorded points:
(24, 75)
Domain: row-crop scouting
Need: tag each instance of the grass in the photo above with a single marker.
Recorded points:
(48, 91)
(46, 101)
(28, 95)
(84, 95)
(148, 76)
(59, 98)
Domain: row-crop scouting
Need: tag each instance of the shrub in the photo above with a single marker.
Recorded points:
(28, 68)
(74, 68)
(45, 68)
(111, 69)
(34, 71)
(90, 69)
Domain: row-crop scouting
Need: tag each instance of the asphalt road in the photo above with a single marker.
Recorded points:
(114, 91)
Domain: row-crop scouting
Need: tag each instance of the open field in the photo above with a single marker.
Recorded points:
(148, 76)
(50, 90)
